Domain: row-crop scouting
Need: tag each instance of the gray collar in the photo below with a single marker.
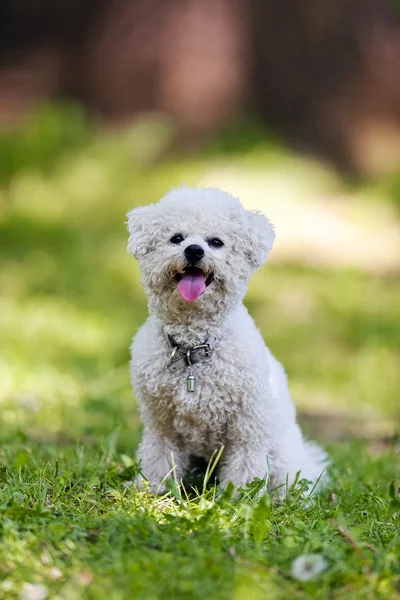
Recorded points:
(186, 356)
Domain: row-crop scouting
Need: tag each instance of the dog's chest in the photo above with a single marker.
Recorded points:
(202, 419)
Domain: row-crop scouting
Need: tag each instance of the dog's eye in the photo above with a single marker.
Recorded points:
(215, 242)
(177, 238)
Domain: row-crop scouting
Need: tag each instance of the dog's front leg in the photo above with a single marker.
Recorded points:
(160, 460)
(242, 463)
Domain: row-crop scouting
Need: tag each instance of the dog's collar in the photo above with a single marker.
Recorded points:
(186, 356)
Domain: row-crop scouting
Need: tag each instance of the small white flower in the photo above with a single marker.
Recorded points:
(33, 591)
(308, 566)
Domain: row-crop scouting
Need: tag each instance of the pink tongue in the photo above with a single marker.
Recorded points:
(191, 286)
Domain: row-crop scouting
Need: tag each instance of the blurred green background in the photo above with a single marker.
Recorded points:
(327, 301)
(294, 107)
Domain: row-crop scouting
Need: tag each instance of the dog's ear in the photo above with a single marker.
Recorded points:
(139, 223)
(261, 238)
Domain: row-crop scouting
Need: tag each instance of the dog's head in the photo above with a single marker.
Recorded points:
(198, 246)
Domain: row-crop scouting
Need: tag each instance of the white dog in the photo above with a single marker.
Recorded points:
(203, 376)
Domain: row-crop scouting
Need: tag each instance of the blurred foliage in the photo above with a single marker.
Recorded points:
(71, 299)
(245, 135)
(42, 138)
(388, 186)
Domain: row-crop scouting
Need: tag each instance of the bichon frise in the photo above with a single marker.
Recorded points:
(202, 374)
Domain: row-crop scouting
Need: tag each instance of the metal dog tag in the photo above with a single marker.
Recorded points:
(191, 382)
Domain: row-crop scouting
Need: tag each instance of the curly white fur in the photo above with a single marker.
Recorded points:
(241, 401)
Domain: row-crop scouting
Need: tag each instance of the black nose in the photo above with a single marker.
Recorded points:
(194, 252)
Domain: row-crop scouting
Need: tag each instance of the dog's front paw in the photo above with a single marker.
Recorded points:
(245, 474)
(255, 486)
(235, 480)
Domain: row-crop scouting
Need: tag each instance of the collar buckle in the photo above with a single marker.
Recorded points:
(205, 347)
(187, 357)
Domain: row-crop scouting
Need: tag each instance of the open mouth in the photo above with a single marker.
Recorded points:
(192, 282)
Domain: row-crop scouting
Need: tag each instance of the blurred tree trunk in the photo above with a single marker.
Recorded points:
(324, 73)
(328, 72)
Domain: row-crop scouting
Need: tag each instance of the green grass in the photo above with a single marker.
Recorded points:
(69, 522)
(70, 301)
